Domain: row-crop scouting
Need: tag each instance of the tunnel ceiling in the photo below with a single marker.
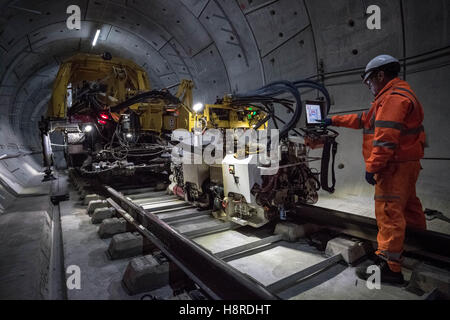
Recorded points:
(223, 45)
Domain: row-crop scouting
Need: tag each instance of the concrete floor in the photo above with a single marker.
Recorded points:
(25, 250)
(224, 240)
(195, 224)
(100, 277)
(283, 259)
(278, 262)
(339, 282)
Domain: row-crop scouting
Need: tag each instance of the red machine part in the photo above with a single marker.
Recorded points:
(315, 142)
(178, 191)
(104, 116)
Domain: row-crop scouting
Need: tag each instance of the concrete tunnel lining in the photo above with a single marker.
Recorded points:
(232, 46)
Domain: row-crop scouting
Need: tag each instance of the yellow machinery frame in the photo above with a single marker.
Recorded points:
(251, 117)
(123, 78)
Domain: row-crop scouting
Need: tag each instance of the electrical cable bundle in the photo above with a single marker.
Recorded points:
(154, 94)
(267, 97)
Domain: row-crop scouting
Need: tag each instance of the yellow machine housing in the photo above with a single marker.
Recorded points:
(124, 79)
(226, 116)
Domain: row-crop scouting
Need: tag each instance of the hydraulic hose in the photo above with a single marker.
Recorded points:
(277, 88)
(274, 89)
(144, 96)
(300, 84)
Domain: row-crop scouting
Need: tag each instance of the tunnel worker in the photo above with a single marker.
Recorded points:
(394, 140)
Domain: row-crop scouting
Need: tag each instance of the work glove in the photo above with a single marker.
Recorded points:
(370, 178)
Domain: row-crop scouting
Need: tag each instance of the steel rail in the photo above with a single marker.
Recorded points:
(218, 279)
(430, 244)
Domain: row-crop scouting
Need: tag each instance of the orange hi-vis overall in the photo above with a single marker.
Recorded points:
(394, 140)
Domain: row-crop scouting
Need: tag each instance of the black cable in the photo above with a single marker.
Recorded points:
(154, 94)
(275, 89)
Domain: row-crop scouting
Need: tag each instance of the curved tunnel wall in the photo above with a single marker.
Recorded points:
(233, 46)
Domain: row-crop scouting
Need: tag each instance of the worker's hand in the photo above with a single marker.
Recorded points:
(327, 122)
(370, 178)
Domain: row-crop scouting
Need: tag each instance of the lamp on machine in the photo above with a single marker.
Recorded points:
(104, 116)
(198, 107)
(88, 128)
(97, 34)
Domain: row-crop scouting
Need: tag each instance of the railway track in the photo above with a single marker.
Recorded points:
(215, 259)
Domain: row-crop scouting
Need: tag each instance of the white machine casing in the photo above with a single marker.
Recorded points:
(248, 173)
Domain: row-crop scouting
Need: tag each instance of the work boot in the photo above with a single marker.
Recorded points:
(387, 275)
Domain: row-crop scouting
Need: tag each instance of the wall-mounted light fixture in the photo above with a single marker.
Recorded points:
(97, 34)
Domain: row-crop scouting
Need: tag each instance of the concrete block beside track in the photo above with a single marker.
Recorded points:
(96, 204)
(145, 274)
(101, 214)
(111, 227)
(125, 245)
(91, 197)
(351, 250)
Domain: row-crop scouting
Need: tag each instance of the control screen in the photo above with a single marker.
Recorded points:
(313, 113)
